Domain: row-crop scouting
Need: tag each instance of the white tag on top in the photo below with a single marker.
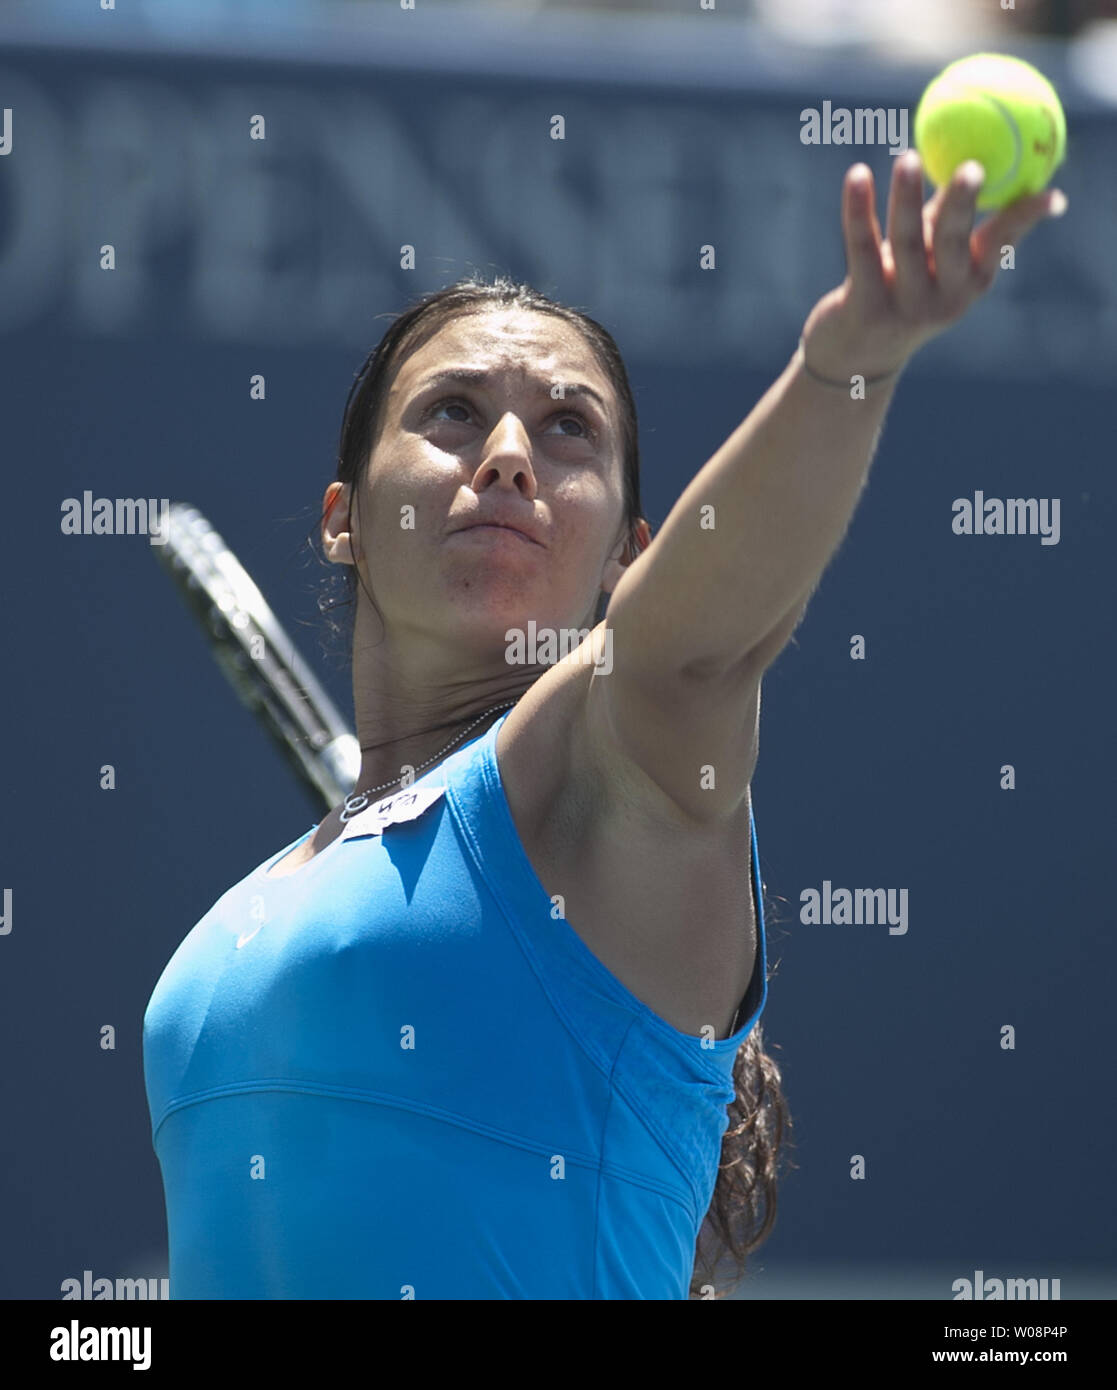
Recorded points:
(405, 805)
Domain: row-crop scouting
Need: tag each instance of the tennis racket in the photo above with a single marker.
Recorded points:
(258, 657)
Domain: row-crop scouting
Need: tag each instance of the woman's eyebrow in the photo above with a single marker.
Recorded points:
(475, 376)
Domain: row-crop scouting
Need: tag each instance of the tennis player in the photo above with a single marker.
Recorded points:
(491, 1028)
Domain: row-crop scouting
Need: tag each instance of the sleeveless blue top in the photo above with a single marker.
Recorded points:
(397, 1073)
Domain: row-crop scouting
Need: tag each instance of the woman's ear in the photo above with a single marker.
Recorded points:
(616, 565)
(337, 543)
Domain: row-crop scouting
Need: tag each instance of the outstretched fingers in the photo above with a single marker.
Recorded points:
(864, 263)
(907, 241)
(950, 220)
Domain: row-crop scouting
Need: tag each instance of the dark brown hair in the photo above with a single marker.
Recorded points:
(743, 1208)
(408, 332)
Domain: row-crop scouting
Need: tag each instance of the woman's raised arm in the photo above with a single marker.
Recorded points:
(705, 609)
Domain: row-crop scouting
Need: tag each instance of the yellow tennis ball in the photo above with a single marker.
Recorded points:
(1000, 111)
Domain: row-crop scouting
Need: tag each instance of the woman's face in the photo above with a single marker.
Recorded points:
(500, 446)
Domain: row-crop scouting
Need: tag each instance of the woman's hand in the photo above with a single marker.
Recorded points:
(903, 291)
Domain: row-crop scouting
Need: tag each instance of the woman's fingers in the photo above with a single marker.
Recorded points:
(950, 222)
(906, 241)
(862, 236)
(933, 263)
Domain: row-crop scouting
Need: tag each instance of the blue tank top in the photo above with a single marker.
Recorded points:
(396, 1073)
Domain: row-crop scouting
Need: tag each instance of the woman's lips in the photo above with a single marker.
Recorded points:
(489, 527)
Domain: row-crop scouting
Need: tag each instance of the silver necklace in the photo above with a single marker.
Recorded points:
(356, 802)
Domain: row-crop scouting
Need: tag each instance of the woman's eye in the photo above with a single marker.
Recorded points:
(447, 405)
(587, 433)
